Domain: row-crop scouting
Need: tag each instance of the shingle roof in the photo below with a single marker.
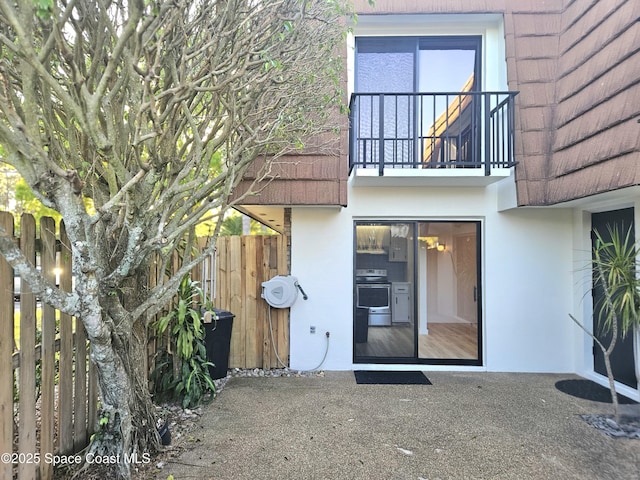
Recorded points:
(576, 64)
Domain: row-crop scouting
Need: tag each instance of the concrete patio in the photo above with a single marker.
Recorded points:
(464, 426)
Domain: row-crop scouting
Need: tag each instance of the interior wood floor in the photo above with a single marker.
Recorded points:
(449, 340)
(394, 341)
(444, 341)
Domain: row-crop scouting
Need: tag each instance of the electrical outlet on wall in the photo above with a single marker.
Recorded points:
(312, 329)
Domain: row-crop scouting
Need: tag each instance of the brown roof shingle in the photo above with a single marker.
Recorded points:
(576, 64)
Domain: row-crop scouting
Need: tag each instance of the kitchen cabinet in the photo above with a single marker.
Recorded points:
(401, 302)
(398, 249)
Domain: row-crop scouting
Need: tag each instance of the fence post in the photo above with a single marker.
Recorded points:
(47, 349)
(65, 384)
(80, 397)
(6, 352)
(234, 265)
(27, 383)
(283, 314)
(253, 339)
(264, 274)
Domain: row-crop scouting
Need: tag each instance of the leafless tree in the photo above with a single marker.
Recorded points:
(135, 120)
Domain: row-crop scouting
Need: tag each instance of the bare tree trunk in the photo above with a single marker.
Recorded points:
(612, 386)
(126, 432)
(606, 351)
(127, 422)
(607, 364)
(636, 351)
(113, 436)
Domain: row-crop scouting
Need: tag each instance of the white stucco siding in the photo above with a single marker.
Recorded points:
(526, 267)
(321, 259)
(528, 291)
(582, 306)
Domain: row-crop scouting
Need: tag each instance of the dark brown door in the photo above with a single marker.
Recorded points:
(622, 358)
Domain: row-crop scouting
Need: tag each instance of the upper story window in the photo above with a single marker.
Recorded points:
(420, 99)
(434, 39)
(417, 64)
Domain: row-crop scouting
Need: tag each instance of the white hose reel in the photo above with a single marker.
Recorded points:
(281, 291)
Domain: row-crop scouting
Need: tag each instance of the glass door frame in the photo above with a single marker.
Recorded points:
(479, 361)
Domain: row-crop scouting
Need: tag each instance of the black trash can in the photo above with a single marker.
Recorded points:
(217, 341)
(362, 324)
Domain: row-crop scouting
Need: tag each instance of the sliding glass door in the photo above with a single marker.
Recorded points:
(448, 291)
(384, 310)
(417, 292)
(423, 106)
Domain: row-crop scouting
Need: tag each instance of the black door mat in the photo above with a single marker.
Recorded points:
(590, 390)
(390, 378)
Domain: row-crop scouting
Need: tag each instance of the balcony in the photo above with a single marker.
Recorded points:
(444, 139)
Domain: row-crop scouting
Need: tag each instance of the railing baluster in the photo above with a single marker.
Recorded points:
(473, 142)
(501, 136)
(371, 97)
(495, 128)
(394, 140)
(417, 144)
(417, 109)
(477, 111)
(487, 135)
(451, 163)
(510, 118)
(352, 141)
(381, 136)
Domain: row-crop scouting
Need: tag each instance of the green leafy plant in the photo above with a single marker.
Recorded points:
(615, 269)
(182, 370)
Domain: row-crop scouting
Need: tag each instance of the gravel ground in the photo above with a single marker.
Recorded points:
(465, 426)
(183, 422)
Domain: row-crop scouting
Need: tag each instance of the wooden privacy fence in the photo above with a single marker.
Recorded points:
(241, 264)
(52, 407)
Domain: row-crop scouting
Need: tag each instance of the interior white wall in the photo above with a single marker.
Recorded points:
(527, 275)
(423, 279)
(447, 287)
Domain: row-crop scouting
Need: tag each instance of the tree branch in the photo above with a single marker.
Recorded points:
(63, 301)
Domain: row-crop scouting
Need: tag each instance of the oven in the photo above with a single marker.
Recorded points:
(375, 295)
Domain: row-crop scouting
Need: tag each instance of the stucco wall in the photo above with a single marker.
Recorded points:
(527, 276)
